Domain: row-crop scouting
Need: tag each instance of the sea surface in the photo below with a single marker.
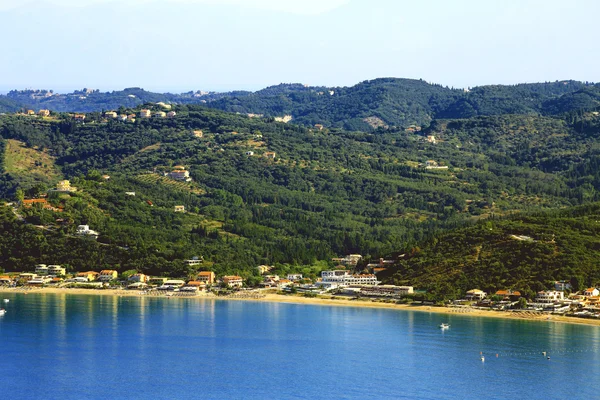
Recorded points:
(61, 346)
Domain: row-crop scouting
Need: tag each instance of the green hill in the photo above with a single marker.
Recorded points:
(318, 194)
(367, 106)
(526, 253)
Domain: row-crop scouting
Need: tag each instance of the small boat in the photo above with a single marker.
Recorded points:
(482, 359)
(2, 312)
(444, 325)
(6, 300)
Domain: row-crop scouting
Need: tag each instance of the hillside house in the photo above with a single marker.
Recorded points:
(160, 114)
(40, 202)
(263, 269)
(431, 139)
(131, 117)
(79, 117)
(194, 261)
(84, 230)
(432, 164)
(350, 259)
(285, 119)
(249, 153)
(44, 113)
(171, 114)
(593, 292)
(110, 114)
(145, 113)
(294, 277)
(65, 186)
(270, 155)
(179, 209)
(179, 173)
(319, 127)
(561, 285)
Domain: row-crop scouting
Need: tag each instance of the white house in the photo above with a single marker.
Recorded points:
(549, 296)
(85, 230)
(180, 174)
(588, 292)
(194, 261)
(476, 294)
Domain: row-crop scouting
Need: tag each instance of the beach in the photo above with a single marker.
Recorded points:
(327, 301)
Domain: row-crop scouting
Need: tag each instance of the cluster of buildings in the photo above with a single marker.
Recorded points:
(558, 300)
(144, 114)
(119, 117)
(56, 274)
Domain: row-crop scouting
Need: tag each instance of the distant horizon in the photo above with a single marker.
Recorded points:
(224, 88)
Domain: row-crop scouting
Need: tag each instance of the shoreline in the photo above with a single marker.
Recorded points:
(289, 299)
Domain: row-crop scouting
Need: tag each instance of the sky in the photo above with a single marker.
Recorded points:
(220, 45)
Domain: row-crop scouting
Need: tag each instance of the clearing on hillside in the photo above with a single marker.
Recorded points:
(29, 166)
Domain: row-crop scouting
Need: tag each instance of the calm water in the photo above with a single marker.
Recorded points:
(95, 347)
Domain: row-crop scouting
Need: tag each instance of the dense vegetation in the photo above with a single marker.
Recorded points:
(325, 193)
(524, 253)
(367, 106)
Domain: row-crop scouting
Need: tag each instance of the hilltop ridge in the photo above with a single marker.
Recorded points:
(366, 106)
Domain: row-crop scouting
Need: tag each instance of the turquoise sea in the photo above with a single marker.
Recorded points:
(100, 347)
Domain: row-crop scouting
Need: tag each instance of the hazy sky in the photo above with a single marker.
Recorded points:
(181, 45)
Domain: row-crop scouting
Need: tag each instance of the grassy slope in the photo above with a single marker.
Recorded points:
(29, 165)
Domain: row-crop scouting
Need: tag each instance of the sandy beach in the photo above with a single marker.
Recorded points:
(337, 302)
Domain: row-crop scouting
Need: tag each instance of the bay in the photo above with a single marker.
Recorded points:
(108, 347)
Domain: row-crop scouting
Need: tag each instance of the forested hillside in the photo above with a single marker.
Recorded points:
(367, 106)
(523, 253)
(265, 192)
